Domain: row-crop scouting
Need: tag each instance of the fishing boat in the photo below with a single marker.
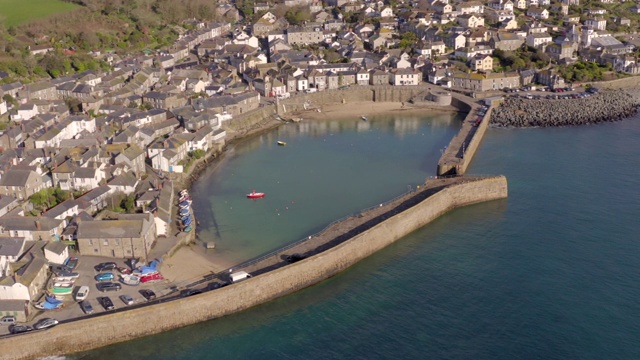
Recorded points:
(50, 303)
(131, 280)
(282, 143)
(184, 212)
(188, 228)
(62, 290)
(184, 205)
(364, 118)
(187, 222)
(184, 218)
(184, 192)
(184, 198)
(255, 195)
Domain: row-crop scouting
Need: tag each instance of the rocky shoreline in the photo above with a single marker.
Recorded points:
(606, 106)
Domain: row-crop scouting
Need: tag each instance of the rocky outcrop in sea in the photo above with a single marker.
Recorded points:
(605, 106)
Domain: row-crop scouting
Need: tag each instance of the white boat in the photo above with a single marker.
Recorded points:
(282, 143)
(184, 192)
(131, 280)
(364, 118)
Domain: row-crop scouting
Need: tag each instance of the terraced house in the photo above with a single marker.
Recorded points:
(129, 235)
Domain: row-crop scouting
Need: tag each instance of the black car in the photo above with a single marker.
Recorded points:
(106, 303)
(148, 294)
(105, 266)
(19, 329)
(190, 292)
(294, 258)
(216, 285)
(108, 286)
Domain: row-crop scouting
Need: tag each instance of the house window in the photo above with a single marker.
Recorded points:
(117, 241)
(105, 242)
(95, 250)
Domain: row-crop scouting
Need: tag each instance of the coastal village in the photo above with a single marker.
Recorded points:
(91, 162)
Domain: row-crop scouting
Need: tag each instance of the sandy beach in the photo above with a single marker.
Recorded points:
(359, 109)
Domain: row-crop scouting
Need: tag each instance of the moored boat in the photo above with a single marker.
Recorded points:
(364, 118)
(184, 192)
(255, 195)
(187, 222)
(282, 143)
(188, 228)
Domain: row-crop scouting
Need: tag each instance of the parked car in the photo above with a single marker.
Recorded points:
(105, 277)
(71, 263)
(216, 285)
(126, 299)
(190, 292)
(45, 323)
(106, 303)
(105, 266)
(148, 294)
(86, 307)
(8, 320)
(297, 257)
(108, 286)
(18, 329)
(151, 278)
(82, 293)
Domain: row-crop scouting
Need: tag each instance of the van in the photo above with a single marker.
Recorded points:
(82, 293)
(239, 276)
(311, 90)
(8, 320)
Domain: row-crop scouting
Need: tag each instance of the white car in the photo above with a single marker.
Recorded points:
(82, 293)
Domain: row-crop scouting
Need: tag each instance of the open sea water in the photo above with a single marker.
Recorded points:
(550, 273)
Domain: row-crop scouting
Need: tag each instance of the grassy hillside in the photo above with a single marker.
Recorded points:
(17, 12)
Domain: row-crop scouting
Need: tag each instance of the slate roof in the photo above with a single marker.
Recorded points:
(11, 246)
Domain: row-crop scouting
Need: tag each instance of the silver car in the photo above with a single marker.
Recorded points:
(45, 323)
(126, 299)
(86, 307)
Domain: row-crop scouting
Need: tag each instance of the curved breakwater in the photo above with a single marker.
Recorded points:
(606, 106)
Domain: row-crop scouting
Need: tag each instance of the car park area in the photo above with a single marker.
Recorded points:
(83, 301)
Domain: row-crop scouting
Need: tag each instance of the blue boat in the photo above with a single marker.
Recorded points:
(186, 217)
(188, 229)
(185, 212)
(184, 204)
(187, 222)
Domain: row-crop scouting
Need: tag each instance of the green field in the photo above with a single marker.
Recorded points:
(16, 12)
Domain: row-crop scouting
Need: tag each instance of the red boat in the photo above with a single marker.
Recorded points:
(255, 195)
(151, 278)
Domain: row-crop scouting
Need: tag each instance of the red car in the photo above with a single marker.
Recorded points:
(151, 278)
(124, 270)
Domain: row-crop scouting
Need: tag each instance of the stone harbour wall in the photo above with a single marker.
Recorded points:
(113, 328)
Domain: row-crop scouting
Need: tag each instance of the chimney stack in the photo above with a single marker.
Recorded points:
(38, 225)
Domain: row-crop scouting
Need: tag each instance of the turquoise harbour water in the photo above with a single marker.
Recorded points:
(550, 273)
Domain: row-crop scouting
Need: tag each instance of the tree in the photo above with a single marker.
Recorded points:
(74, 105)
(128, 204)
(407, 39)
(518, 64)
